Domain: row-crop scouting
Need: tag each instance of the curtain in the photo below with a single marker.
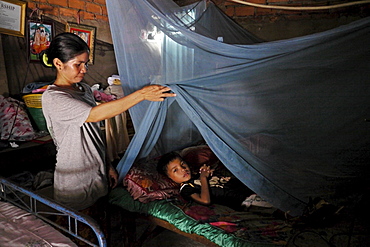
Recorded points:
(288, 118)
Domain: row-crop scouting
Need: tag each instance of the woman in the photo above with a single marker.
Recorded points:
(72, 117)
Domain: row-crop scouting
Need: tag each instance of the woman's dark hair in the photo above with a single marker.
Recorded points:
(165, 160)
(65, 46)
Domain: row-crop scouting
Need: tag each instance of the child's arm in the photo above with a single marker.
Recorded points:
(204, 196)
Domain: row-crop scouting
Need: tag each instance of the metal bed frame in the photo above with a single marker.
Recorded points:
(17, 196)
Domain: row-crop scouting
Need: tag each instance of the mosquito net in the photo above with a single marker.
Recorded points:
(288, 118)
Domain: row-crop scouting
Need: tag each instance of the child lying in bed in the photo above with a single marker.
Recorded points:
(234, 194)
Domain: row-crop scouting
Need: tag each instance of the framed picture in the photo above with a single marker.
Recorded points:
(87, 33)
(12, 17)
(41, 34)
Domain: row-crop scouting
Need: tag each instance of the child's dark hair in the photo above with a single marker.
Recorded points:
(165, 160)
(65, 46)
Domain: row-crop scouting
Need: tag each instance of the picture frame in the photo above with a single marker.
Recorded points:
(12, 17)
(87, 33)
(40, 36)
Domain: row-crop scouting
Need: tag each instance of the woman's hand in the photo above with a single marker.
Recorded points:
(156, 92)
(115, 107)
(113, 177)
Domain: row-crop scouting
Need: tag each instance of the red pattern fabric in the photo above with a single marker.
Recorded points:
(15, 123)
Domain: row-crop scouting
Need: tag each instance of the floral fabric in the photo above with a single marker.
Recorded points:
(15, 123)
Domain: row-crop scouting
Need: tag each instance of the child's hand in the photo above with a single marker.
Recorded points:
(205, 171)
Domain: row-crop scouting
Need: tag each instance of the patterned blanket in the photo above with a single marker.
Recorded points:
(257, 225)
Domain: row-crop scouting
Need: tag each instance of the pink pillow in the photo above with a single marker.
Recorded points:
(145, 184)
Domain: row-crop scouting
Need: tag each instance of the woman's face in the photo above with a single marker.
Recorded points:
(75, 69)
(178, 171)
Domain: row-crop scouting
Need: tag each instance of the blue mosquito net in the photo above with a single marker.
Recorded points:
(288, 118)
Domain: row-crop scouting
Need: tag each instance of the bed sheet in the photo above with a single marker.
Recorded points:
(20, 228)
(219, 224)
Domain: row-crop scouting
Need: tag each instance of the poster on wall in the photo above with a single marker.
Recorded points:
(87, 33)
(12, 17)
(41, 34)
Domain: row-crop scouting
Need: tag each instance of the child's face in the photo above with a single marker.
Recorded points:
(178, 171)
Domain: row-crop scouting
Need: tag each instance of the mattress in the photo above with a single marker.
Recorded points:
(169, 212)
(21, 228)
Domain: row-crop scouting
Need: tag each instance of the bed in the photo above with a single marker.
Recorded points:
(265, 230)
(148, 195)
(29, 219)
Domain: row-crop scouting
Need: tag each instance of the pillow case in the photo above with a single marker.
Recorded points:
(145, 184)
(197, 156)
